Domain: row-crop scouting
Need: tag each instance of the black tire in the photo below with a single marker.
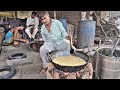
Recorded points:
(14, 56)
(11, 69)
(3, 27)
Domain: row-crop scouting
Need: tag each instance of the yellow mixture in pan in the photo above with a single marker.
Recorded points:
(69, 61)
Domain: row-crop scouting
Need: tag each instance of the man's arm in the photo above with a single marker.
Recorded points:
(63, 31)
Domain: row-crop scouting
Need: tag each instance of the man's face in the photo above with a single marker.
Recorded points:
(45, 19)
(33, 16)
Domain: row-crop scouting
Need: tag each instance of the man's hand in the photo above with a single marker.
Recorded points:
(68, 37)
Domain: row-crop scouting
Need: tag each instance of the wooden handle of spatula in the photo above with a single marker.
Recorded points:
(70, 38)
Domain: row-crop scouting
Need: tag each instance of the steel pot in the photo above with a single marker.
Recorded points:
(36, 45)
(80, 54)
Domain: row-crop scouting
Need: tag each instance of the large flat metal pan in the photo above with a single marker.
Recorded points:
(80, 54)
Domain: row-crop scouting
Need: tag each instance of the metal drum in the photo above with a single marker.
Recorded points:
(86, 33)
(64, 23)
(108, 67)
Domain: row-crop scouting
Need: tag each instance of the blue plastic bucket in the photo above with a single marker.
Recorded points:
(64, 23)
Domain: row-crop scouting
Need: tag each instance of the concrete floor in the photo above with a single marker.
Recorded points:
(25, 71)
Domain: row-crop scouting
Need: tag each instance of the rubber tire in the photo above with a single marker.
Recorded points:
(11, 69)
(15, 54)
(3, 27)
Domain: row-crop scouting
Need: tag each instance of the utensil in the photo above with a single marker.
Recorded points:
(71, 44)
(80, 54)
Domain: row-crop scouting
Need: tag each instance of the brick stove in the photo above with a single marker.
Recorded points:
(85, 73)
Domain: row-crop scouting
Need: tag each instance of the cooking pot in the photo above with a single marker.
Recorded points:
(36, 45)
(80, 54)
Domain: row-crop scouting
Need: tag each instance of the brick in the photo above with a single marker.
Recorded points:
(50, 66)
(71, 76)
(86, 75)
(56, 75)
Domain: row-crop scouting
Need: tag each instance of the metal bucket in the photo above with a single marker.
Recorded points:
(64, 23)
(86, 33)
(36, 45)
(108, 67)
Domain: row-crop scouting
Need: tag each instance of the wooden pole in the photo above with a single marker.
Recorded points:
(54, 14)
